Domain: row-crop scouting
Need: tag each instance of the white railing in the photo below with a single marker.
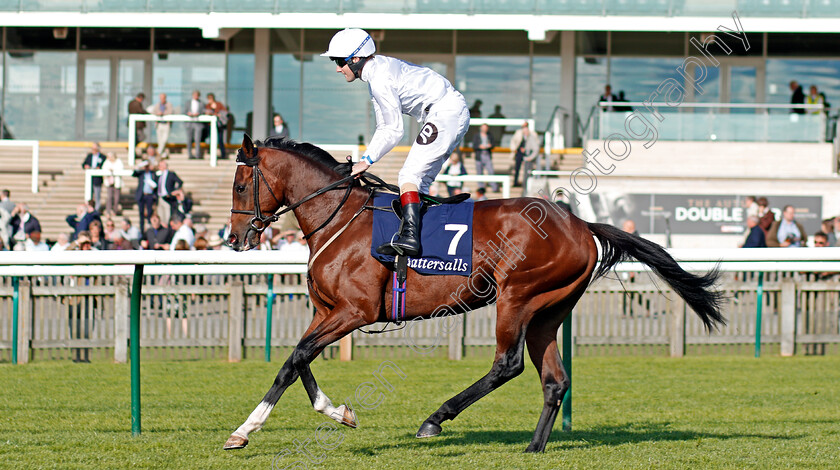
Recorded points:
(35, 155)
(503, 179)
(132, 126)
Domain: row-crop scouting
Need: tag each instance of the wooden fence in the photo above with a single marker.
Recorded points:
(217, 316)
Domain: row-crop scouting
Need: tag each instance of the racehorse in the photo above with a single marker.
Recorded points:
(530, 257)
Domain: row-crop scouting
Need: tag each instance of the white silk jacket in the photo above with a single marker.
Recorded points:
(396, 88)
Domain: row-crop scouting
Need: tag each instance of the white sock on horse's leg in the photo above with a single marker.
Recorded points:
(324, 405)
(255, 420)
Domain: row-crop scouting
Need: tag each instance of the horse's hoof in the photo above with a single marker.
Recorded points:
(534, 449)
(235, 442)
(428, 429)
(348, 417)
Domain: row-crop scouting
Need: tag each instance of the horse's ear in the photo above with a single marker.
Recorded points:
(247, 146)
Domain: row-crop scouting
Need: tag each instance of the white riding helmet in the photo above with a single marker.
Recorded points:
(349, 43)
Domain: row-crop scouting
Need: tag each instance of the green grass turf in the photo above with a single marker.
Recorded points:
(694, 412)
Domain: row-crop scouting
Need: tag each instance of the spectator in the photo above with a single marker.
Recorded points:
(621, 99)
(157, 237)
(83, 242)
(6, 202)
(62, 244)
(200, 244)
(798, 97)
(766, 217)
(97, 239)
(183, 203)
(135, 106)
(94, 161)
(265, 240)
(609, 97)
(3, 246)
(195, 108)
(815, 97)
(146, 193)
(200, 230)
(181, 245)
(454, 167)
(167, 183)
(120, 243)
(219, 110)
(109, 230)
(483, 147)
(129, 232)
(23, 223)
(629, 226)
(497, 131)
(34, 242)
(160, 109)
(821, 240)
(6, 229)
(279, 129)
(480, 194)
(827, 227)
(112, 184)
(837, 230)
(85, 214)
(182, 232)
(215, 242)
(787, 232)
(755, 237)
(751, 206)
(525, 147)
(475, 110)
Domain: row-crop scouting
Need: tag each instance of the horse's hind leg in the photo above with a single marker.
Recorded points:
(508, 363)
(542, 348)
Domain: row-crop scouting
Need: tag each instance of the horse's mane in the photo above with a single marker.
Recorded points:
(307, 150)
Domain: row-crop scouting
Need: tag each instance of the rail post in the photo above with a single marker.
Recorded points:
(268, 314)
(759, 297)
(15, 315)
(567, 364)
(136, 291)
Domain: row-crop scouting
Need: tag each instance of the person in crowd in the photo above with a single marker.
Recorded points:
(395, 87)
(130, 233)
(181, 231)
(525, 148)
(215, 242)
(85, 214)
(483, 147)
(195, 108)
(821, 240)
(97, 238)
(609, 97)
(135, 106)
(94, 161)
(112, 184)
(200, 230)
(157, 237)
(497, 131)
(109, 228)
(815, 97)
(146, 193)
(183, 203)
(6, 229)
(181, 245)
(265, 240)
(119, 242)
(827, 227)
(160, 109)
(797, 97)
(480, 194)
(629, 226)
(216, 108)
(6, 201)
(279, 127)
(454, 167)
(23, 223)
(200, 244)
(836, 230)
(755, 236)
(621, 99)
(787, 232)
(3, 246)
(766, 217)
(82, 242)
(62, 243)
(34, 242)
(167, 183)
(751, 206)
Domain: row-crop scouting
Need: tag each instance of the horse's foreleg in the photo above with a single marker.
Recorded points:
(309, 347)
(257, 418)
(509, 363)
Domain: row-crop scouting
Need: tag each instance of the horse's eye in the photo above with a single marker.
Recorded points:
(240, 188)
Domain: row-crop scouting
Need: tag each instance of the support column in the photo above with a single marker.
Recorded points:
(567, 84)
(262, 83)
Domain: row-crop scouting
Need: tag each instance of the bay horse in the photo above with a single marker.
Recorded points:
(531, 258)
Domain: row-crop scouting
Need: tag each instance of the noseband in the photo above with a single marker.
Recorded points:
(260, 222)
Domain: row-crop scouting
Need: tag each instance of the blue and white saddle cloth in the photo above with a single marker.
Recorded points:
(445, 236)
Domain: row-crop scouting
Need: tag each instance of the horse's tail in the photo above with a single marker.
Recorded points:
(617, 246)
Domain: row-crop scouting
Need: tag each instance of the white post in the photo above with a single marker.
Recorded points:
(214, 140)
(88, 186)
(788, 318)
(36, 151)
(132, 138)
(122, 308)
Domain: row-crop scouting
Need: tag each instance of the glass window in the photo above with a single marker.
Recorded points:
(546, 89)
(336, 112)
(501, 83)
(122, 39)
(41, 38)
(285, 91)
(590, 79)
(185, 39)
(825, 74)
(240, 96)
(40, 95)
(178, 74)
(638, 77)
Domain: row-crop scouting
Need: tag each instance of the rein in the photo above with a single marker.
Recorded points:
(260, 222)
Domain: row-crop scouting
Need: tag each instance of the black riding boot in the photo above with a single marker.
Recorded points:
(408, 241)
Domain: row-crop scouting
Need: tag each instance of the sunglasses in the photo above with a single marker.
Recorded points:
(340, 61)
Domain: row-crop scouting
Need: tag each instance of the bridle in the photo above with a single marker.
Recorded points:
(259, 222)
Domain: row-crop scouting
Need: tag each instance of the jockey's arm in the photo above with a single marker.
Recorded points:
(389, 123)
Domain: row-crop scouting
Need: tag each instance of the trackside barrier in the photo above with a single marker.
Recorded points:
(35, 156)
(138, 263)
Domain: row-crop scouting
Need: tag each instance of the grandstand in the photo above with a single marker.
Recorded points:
(70, 67)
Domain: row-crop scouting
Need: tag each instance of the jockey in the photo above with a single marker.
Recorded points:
(396, 88)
